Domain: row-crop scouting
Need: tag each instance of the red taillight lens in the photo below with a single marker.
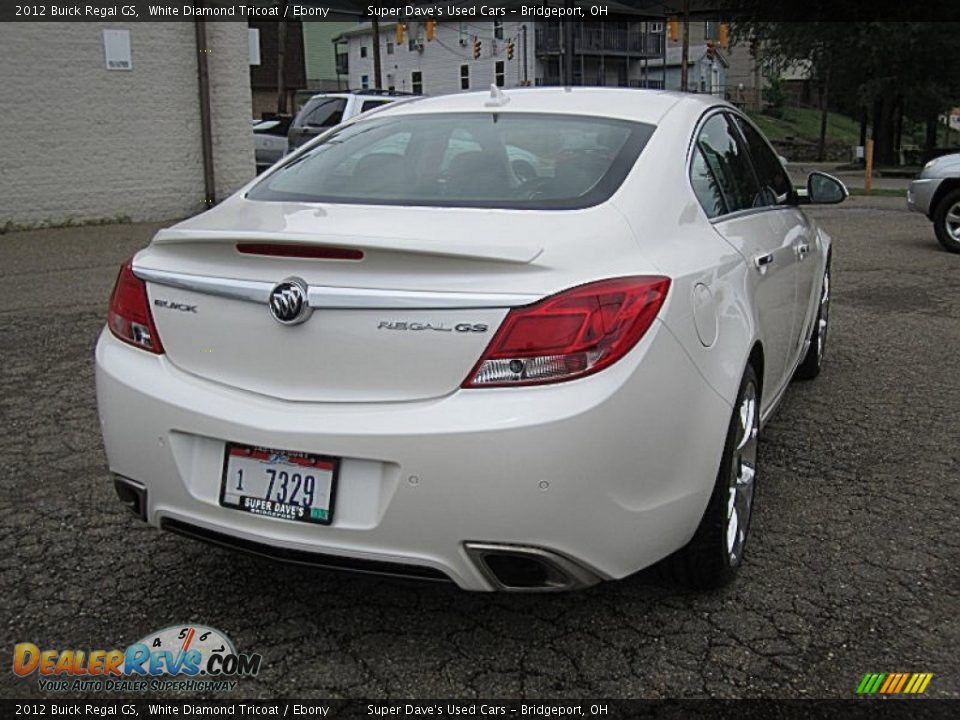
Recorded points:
(570, 335)
(129, 315)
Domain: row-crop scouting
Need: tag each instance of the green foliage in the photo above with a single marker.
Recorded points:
(774, 96)
(885, 67)
(803, 125)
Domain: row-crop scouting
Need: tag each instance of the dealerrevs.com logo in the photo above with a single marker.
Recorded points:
(180, 657)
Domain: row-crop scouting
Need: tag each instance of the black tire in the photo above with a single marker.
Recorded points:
(946, 221)
(711, 559)
(813, 360)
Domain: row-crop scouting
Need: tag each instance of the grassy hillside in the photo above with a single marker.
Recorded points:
(803, 125)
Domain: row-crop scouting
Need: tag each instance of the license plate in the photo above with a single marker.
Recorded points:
(279, 483)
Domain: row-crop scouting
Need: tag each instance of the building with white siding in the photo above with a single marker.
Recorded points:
(706, 70)
(614, 53)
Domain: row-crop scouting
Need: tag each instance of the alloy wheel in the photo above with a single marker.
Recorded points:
(952, 222)
(743, 474)
(823, 317)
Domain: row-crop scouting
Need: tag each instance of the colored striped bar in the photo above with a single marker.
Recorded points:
(894, 683)
(871, 683)
(903, 681)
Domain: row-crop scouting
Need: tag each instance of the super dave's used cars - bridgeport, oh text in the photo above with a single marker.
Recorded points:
(408, 350)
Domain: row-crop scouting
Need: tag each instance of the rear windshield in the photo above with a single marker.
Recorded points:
(489, 160)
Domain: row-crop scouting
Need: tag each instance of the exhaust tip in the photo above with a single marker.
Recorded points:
(522, 568)
(132, 494)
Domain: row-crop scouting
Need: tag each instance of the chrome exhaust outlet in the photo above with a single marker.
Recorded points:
(523, 568)
(132, 494)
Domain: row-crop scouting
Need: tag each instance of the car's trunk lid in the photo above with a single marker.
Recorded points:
(406, 322)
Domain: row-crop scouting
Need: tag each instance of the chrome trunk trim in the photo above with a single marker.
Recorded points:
(343, 298)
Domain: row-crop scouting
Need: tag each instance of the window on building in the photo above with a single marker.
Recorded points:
(415, 42)
(498, 30)
(363, 51)
(416, 81)
(389, 48)
(365, 81)
(500, 75)
(464, 77)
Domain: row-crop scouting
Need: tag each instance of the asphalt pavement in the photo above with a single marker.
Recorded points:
(852, 566)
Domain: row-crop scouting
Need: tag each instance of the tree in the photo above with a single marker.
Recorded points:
(887, 68)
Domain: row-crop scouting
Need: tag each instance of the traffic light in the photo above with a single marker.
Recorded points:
(477, 47)
(711, 50)
(431, 29)
(673, 28)
(400, 33)
(510, 49)
(724, 40)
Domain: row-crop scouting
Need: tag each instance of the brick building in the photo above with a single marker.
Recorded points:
(103, 119)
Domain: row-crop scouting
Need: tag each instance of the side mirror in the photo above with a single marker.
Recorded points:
(823, 189)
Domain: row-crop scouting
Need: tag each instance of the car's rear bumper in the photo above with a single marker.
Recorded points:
(609, 473)
(920, 194)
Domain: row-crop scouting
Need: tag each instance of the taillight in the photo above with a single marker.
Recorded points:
(575, 333)
(129, 315)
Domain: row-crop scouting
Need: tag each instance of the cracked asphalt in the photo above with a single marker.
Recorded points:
(852, 566)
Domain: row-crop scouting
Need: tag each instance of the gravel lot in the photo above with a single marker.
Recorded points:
(853, 565)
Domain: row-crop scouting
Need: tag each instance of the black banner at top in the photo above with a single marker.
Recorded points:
(135, 11)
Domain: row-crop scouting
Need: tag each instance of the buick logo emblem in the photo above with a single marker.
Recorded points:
(288, 302)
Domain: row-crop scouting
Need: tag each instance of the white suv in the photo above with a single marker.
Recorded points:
(326, 110)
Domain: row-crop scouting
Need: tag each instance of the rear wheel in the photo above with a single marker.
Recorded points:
(813, 360)
(946, 221)
(712, 558)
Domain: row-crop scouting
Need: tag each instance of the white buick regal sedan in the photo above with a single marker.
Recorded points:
(519, 340)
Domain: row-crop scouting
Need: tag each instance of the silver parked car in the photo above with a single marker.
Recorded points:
(936, 194)
(270, 141)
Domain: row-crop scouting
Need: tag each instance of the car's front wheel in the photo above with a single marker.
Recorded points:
(946, 221)
(712, 558)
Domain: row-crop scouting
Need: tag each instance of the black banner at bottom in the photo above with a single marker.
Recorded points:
(874, 709)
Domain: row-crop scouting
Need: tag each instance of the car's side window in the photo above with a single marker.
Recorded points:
(705, 187)
(775, 185)
(325, 113)
(726, 159)
(371, 104)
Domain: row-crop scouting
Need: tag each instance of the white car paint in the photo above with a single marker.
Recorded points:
(610, 472)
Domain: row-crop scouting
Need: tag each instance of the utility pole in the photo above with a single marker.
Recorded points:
(377, 82)
(568, 47)
(685, 49)
(281, 51)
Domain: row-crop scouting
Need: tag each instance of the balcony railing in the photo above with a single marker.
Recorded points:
(600, 40)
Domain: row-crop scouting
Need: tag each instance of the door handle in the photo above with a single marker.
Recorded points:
(761, 262)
